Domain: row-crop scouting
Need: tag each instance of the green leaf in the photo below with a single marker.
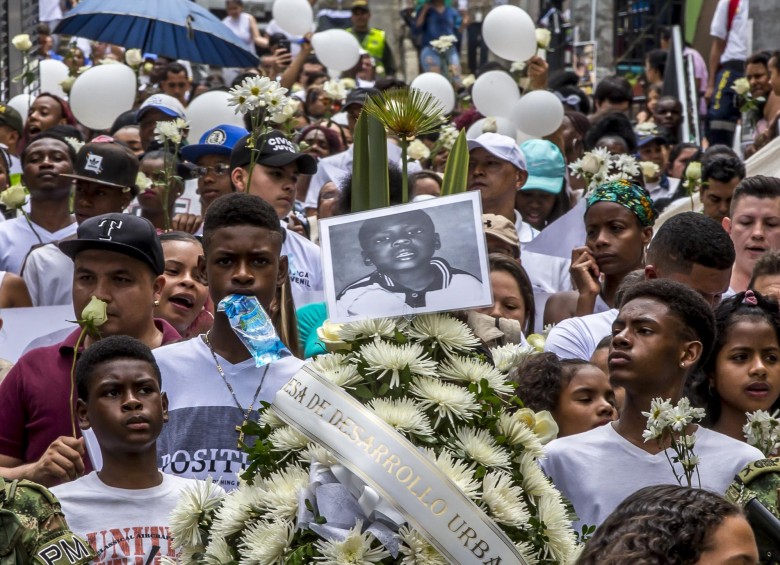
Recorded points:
(457, 169)
(361, 172)
(378, 181)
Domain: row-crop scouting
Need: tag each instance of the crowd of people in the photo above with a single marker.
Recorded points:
(645, 305)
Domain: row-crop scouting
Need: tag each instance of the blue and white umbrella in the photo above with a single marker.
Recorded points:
(179, 29)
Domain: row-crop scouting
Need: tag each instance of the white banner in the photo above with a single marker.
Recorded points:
(390, 464)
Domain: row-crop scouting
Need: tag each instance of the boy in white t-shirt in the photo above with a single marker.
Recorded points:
(123, 510)
(661, 334)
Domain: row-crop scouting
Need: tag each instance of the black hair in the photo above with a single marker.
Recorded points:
(108, 349)
(49, 134)
(312, 60)
(659, 525)
(628, 281)
(512, 267)
(605, 343)
(675, 152)
(689, 239)
(388, 83)
(395, 179)
(686, 304)
(424, 174)
(579, 122)
(66, 131)
(540, 378)
(583, 104)
(178, 236)
(612, 124)
(559, 79)
(729, 312)
(759, 58)
(368, 228)
(722, 168)
(124, 119)
(775, 57)
(717, 149)
(768, 264)
(757, 186)
(175, 68)
(615, 89)
(240, 209)
(657, 60)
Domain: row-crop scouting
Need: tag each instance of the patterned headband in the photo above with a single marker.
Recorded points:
(627, 194)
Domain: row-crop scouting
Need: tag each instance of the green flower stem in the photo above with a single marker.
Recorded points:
(168, 168)
(73, 380)
(29, 223)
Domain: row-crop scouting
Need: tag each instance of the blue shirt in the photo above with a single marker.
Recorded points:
(437, 24)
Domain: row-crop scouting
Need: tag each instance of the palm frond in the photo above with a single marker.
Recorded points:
(406, 112)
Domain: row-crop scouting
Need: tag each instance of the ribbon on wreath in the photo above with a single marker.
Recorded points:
(396, 480)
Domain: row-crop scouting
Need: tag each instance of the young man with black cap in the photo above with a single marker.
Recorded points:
(46, 160)
(274, 177)
(119, 260)
(105, 175)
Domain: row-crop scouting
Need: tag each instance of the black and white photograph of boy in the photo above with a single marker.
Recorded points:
(428, 256)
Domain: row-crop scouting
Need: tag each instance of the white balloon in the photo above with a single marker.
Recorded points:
(52, 74)
(21, 103)
(538, 113)
(101, 93)
(522, 137)
(337, 49)
(510, 33)
(494, 93)
(208, 110)
(439, 87)
(293, 16)
(483, 125)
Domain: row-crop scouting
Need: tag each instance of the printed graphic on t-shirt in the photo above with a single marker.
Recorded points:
(137, 545)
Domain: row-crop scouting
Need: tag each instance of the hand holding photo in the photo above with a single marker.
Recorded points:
(427, 256)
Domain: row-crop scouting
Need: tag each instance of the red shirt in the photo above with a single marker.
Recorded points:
(33, 407)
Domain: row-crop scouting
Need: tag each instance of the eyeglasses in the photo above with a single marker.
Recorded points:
(219, 170)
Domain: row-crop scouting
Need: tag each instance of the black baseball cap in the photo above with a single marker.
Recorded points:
(359, 96)
(273, 149)
(106, 162)
(129, 235)
(11, 118)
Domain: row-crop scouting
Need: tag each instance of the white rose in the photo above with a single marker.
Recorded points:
(67, 84)
(543, 37)
(545, 427)
(22, 42)
(417, 150)
(590, 164)
(468, 80)
(134, 57)
(741, 86)
(490, 125)
(693, 171)
(328, 333)
(13, 197)
(142, 181)
(94, 313)
(650, 170)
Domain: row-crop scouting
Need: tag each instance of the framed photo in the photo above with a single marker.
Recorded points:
(410, 259)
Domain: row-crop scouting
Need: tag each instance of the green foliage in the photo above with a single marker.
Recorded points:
(456, 170)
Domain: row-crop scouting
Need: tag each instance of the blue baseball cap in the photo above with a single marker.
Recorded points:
(545, 165)
(218, 140)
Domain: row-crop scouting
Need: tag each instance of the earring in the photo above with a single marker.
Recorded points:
(156, 303)
(682, 365)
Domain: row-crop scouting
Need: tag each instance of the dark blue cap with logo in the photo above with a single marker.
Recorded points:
(121, 233)
(218, 140)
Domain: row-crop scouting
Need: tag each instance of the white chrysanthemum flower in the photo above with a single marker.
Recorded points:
(236, 510)
(317, 453)
(470, 370)
(449, 401)
(504, 499)
(282, 491)
(258, 86)
(240, 98)
(557, 527)
(275, 100)
(383, 358)
(507, 357)
(481, 447)
(444, 330)
(337, 369)
(354, 549)
(77, 144)
(266, 543)
(363, 329)
(167, 132)
(335, 89)
(535, 483)
(448, 136)
(458, 471)
(403, 414)
(416, 549)
(288, 438)
(218, 552)
(418, 151)
(627, 164)
(528, 552)
(200, 498)
(269, 417)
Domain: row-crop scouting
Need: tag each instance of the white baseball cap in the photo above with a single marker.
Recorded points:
(501, 146)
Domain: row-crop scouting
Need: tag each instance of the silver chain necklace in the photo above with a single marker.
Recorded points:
(244, 414)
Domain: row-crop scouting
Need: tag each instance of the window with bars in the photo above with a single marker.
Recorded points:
(16, 16)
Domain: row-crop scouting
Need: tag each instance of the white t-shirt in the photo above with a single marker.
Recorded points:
(305, 266)
(577, 338)
(596, 470)
(200, 439)
(122, 525)
(548, 273)
(736, 38)
(17, 238)
(525, 232)
(48, 273)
